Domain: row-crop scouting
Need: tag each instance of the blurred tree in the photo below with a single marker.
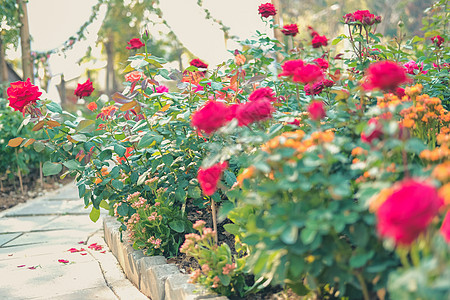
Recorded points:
(9, 33)
(25, 42)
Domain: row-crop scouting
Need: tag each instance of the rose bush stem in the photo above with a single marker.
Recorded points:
(214, 217)
(363, 285)
(19, 174)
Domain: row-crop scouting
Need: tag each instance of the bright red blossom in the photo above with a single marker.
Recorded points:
(307, 74)
(263, 93)
(22, 93)
(266, 10)
(408, 211)
(362, 16)
(319, 41)
(322, 63)
(290, 29)
(316, 110)
(135, 43)
(254, 111)
(211, 117)
(84, 89)
(385, 75)
(445, 227)
(208, 178)
(290, 66)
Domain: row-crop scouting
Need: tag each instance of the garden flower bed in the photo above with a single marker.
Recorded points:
(328, 170)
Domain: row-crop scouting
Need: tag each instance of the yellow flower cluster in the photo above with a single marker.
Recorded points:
(424, 110)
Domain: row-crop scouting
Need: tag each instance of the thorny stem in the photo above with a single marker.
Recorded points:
(363, 285)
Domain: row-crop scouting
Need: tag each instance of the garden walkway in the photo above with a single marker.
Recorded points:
(35, 261)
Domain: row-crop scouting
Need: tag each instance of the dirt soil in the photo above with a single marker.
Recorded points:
(11, 193)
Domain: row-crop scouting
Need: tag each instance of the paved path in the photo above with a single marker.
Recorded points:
(36, 234)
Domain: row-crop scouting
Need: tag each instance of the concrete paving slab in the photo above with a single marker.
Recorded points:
(22, 224)
(51, 279)
(72, 221)
(46, 207)
(6, 237)
(67, 237)
(10, 253)
(102, 293)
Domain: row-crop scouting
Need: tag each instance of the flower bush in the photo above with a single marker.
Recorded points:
(333, 169)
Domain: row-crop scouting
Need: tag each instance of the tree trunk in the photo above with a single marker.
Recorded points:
(3, 67)
(27, 62)
(276, 31)
(111, 84)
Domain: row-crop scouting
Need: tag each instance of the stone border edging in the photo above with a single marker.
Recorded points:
(152, 275)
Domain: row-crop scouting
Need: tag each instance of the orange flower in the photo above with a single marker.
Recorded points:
(98, 180)
(135, 76)
(442, 172)
(92, 106)
(239, 59)
(444, 193)
(104, 171)
(358, 151)
(246, 174)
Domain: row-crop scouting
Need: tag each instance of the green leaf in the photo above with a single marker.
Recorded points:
(177, 225)
(290, 235)
(104, 204)
(229, 177)
(79, 137)
(105, 155)
(120, 150)
(72, 164)
(359, 260)
(194, 192)
(50, 168)
(232, 228)
(54, 107)
(224, 279)
(94, 215)
(415, 145)
(81, 190)
(38, 146)
(307, 235)
(149, 138)
(117, 184)
(86, 126)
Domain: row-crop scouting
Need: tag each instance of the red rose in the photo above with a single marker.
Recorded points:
(198, 63)
(262, 93)
(162, 89)
(22, 93)
(210, 117)
(135, 76)
(84, 89)
(328, 83)
(308, 74)
(438, 40)
(135, 44)
(362, 16)
(445, 228)
(208, 178)
(400, 92)
(316, 110)
(290, 66)
(408, 211)
(385, 75)
(295, 122)
(290, 29)
(322, 63)
(316, 89)
(319, 40)
(266, 10)
(375, 131)
(254, 111)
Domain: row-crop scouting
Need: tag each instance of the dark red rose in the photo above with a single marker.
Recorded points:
(385, 75)
(290, 29)
(362, 16)
(262, 93)
(438, 40)
(135, 44)
(328, 83)
(296, 122)
(84, 89)
(254, 111)
(319, 41)
(307, 74)
(198, 63)
(208, 178)
(266, 10)
(22, 93)
(316, 110)
(400, 92)
(316, 88)
(408, 211)
(211, 117)
(375, 131)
